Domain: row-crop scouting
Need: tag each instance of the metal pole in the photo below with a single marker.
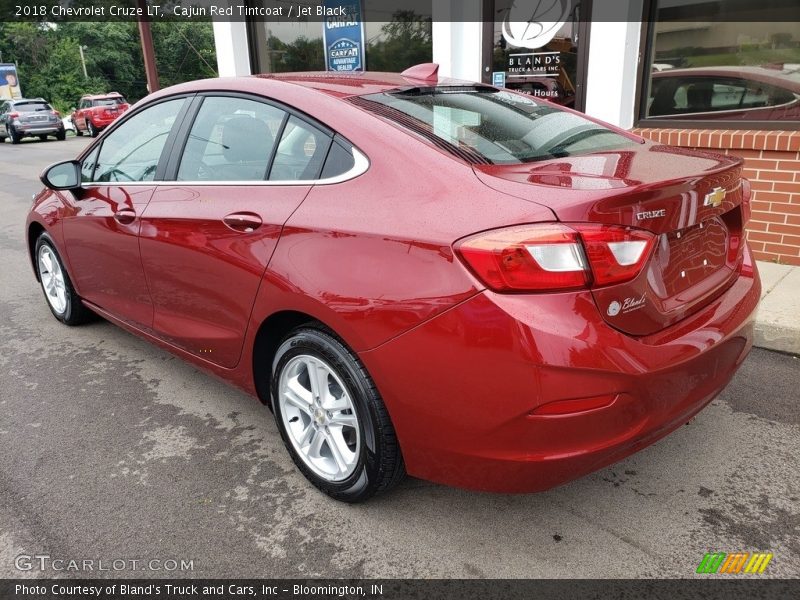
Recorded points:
(148, 51)
(83, 62)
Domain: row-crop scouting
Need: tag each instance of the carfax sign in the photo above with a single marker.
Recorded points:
(343, 36)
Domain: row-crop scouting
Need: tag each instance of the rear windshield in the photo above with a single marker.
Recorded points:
(499, 126)
(32, 106)
(108, 101)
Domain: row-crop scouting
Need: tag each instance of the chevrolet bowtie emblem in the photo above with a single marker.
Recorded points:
(715, 197)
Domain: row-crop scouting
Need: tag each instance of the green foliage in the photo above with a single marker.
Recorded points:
(49, 64)
(406, 41)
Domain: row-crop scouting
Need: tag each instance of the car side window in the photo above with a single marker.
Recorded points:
(131, 152)
(339, 161)
(301, 152)
(698, 95)
(758, 95)
(88, 166)
(232, 139)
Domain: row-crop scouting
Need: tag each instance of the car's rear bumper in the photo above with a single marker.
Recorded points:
(461, 389)
(26, 129)
(103, 122)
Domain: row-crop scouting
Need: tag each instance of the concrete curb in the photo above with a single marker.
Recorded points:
(778, 320)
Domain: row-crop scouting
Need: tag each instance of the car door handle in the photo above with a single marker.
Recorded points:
(243, 222)
(125, 216)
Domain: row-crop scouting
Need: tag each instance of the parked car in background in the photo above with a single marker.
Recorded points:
(29, 117)
(752, 93)
(96, 112)
(416, 274)
(68, 124)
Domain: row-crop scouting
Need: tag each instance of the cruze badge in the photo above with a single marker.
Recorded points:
(715, 197)
(651, 214)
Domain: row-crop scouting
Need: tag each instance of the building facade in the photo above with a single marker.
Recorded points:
(720, 75)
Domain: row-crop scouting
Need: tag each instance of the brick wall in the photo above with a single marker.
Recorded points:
(772, 164)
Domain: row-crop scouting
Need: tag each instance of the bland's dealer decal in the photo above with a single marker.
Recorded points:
(533, 24)
(626, 306)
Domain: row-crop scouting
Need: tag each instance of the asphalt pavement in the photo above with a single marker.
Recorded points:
(111, 449)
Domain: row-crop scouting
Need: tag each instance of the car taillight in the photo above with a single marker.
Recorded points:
(747, 194)
(55, 113)
(14, 115)
(555, 256)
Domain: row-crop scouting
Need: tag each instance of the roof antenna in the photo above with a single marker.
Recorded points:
(424, 72)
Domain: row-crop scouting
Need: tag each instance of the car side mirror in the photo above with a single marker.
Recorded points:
(63, 176)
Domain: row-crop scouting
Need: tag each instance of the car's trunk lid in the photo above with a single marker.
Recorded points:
(691, 200)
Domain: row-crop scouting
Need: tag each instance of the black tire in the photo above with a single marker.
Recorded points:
(379, 466)
(93, 131)
(78, 132)
(75, 313)
(61, 135)
(2, 139)
(15, 137)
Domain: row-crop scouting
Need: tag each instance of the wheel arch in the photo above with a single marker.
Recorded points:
(268, 338)
(35, 229)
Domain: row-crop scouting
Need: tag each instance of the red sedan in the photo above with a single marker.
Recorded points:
(416, 275)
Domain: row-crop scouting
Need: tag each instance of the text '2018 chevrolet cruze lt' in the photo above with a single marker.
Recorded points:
(417, 275)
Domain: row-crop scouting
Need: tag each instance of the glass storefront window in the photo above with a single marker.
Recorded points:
(722, 62)
(536, 47)
(394, 40)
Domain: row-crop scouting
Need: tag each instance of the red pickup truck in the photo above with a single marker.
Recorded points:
(96, 112)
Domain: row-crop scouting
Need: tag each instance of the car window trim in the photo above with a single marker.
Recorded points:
(360, 166)
(170, 170)
(361, 162)
(274, 152)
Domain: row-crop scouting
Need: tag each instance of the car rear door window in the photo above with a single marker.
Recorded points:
(301, 152)
(132, 151)
(232, 139)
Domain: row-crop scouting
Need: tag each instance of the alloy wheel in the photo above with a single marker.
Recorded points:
(320, 417)
(52, 280)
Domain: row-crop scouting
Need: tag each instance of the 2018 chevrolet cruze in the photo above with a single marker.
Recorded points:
(416, 274)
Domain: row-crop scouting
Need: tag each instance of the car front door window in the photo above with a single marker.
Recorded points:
(132, 151)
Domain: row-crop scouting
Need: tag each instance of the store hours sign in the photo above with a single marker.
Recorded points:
(343, 36)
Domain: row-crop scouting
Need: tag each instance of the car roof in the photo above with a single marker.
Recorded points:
(356, 83)
(26, 100)
(101, 96)
(329, 84)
